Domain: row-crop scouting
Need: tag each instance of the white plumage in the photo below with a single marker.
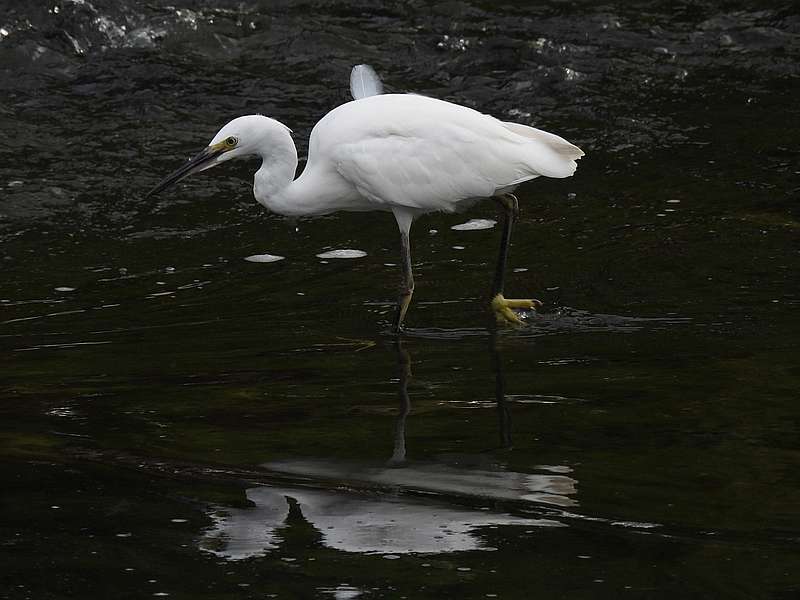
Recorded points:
(364, 81)
(402, 150)
(403, 153)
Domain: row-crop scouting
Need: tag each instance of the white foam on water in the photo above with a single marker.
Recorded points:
(343, 253)
(264, 258)
(475, 224)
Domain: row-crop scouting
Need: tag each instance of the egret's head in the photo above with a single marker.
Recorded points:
(244, 136)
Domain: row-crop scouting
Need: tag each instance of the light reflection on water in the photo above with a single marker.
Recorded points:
(401, 507)
(389, 523)
(556, 490)
(350, 523)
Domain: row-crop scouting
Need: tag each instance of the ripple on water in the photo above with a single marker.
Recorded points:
(343, 253)
(341, 592)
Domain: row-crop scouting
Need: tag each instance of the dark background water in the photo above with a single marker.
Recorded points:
(177, 420)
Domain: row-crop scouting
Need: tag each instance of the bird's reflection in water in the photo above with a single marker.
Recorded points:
(389, 522)
(352, 523)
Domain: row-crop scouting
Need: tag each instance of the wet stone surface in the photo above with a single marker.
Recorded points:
(183, 415)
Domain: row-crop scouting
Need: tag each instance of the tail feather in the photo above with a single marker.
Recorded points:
(557, 144)
(546, 154)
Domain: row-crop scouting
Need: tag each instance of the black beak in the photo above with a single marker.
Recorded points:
(197, 163)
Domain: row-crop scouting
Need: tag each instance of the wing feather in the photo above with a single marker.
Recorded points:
(420, 153)
(411, 172)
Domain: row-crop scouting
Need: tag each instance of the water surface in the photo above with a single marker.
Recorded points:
(184, 415)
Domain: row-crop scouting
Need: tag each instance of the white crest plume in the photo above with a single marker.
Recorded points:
(364, 81)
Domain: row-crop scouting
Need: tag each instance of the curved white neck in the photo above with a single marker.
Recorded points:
(317, 191)
(278, 168)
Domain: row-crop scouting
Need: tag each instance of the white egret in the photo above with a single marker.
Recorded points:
(399, 153)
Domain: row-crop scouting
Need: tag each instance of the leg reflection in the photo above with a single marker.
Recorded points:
(404, 374)
(503, 411)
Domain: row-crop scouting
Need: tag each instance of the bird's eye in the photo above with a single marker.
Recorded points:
(231, 141)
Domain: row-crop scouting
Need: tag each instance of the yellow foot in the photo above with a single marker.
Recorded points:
(503, 312)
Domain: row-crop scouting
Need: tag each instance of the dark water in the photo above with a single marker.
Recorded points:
(179, 421)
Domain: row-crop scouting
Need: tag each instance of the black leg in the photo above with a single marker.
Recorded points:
(406, 283)
(503, 307)
(510, 207)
